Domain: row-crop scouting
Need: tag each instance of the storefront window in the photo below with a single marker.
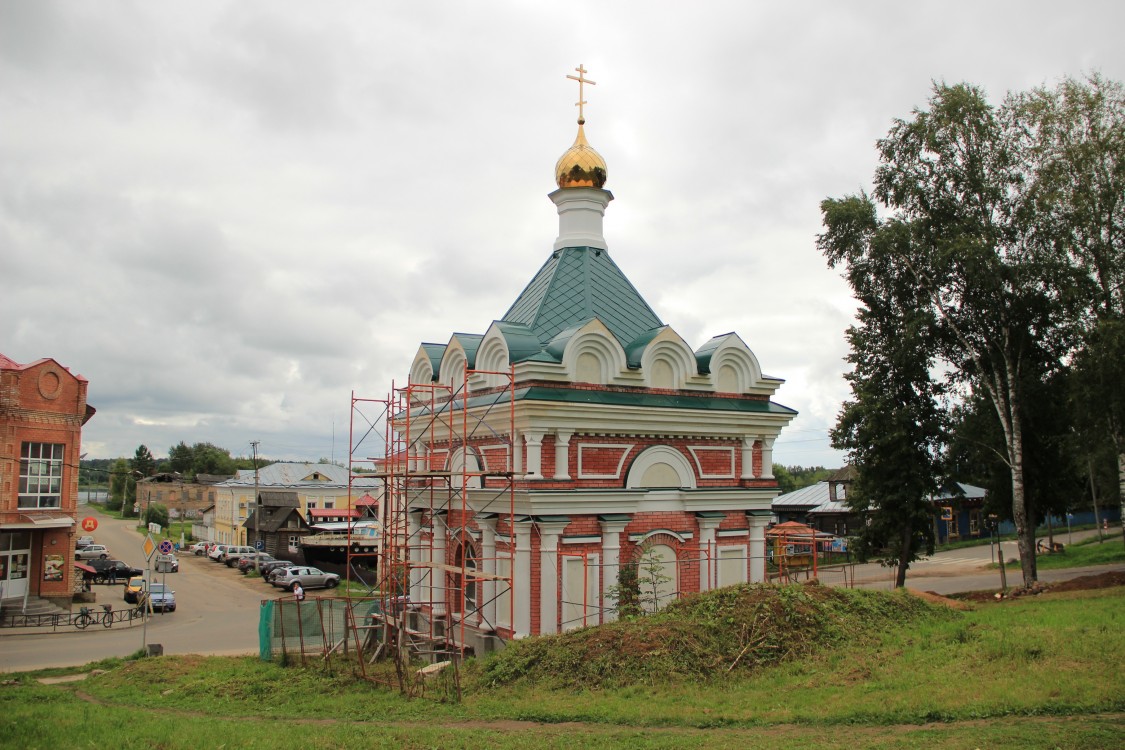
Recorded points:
(41, 475)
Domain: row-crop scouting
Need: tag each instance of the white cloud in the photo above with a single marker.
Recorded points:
(230, 215)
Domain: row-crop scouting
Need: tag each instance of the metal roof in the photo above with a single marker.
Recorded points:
(806, 497)
(575, 285)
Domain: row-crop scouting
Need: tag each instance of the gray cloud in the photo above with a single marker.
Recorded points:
(251, 209)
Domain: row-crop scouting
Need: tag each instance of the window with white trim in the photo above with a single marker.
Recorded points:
(580, 590)
(41, 475)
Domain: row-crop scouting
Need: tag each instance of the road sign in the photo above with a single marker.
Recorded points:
(259, 544)
(166, 547)
(89, 523)
(149, 547)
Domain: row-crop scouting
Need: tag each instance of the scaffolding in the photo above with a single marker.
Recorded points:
(444, 553)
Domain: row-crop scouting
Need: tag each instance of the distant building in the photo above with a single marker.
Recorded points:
(42, 410)
(186, 498)
(314, 485)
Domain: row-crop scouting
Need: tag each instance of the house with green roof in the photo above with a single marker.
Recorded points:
(618, 439)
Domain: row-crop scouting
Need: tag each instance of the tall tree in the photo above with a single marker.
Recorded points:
(892, 426)
(1076, 132)
(1098, 392)
(180, 458)
(143, 462)
(954, 174)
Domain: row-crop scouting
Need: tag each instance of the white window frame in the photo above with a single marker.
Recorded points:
(41, 475)
(572, 604)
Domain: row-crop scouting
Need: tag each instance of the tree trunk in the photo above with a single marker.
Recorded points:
(903, 557)
(1094, 495)
(1121, 489)
(1025, 532)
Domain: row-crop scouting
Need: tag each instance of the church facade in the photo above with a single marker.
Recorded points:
(604, 460)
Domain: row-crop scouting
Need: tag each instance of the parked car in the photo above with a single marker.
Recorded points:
(134, 588)
(199, 548)
(224, 551)
(83, 541)
(92, 552)
(163, 598)
(247, 562)
(106, 570)
(166, 564)
(309, 578)
(271, 565)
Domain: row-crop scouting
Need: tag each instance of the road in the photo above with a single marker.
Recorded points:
(966, 569)
(216, 612)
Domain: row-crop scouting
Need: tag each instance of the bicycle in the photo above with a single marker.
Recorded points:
(85, 618)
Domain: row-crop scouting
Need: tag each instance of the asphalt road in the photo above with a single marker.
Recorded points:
(216, 612)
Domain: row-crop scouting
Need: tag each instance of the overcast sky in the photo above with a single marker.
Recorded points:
(228, 216)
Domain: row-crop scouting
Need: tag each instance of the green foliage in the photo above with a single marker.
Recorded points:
(156, 513)
(201, 458)
(793, 478)
(704, 636)
(627, 592)
(143, 463)
(118, 481)
(893, 427)
(1009, 222)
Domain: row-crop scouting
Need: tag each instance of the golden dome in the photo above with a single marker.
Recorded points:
(581, 165)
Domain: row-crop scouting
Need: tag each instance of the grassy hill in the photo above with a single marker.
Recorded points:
(751, 666)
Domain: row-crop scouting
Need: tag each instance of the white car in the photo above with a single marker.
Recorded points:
(92, 552)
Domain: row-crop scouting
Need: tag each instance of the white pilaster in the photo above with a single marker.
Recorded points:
(414, 545)
(521, 580)
(562, 454)
(757, 548)
(534, 441)
(488, 567)
(611, 563)
(767, 458)
(708, 565)
(748, 457)
(549, 576)
(437, 575)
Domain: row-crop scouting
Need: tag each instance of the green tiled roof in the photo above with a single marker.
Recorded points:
(700, 401)
(575, 285)
(470, 342)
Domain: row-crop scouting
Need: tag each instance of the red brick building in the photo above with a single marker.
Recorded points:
(613, 437)
(42, 410)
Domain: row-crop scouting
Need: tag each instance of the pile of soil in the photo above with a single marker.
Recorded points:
(1109, 579)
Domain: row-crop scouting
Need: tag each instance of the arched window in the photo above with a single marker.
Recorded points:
(465, 586)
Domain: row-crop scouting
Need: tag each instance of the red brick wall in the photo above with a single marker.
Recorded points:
(43, 403)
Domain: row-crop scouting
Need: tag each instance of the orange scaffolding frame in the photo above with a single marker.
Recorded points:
(425, 601)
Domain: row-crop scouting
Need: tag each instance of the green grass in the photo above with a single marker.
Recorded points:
(1031, 673)
(1087, 552)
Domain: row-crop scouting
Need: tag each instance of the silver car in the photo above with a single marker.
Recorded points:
(92, 552)
(309, 578)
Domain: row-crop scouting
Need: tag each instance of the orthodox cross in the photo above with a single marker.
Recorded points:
(581, 80)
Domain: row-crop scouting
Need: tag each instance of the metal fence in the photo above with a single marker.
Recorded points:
(85, 618)
(291, 629)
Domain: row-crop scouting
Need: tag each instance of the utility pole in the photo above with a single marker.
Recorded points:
(257, 513)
